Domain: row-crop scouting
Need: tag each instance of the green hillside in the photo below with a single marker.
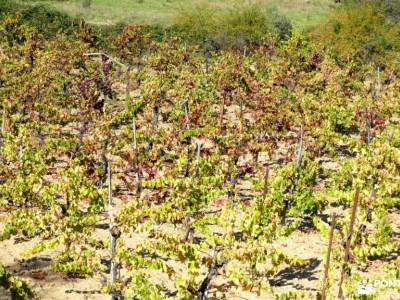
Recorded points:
(302, 12)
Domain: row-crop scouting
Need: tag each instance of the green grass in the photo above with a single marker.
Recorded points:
(303, 13)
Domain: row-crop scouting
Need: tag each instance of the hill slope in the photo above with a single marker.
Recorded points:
(303, 13)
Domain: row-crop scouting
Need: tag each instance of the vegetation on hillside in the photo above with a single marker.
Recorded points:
(362, 31)
(163, 12)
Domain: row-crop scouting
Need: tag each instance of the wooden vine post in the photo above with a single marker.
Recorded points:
(156, 111)
(346, 257)
(221, 113)
(233, 176)
(114, 235)
(328, 258)
(185, 107)
(3, 122)
(20, 151)
(199, 144)
(299, 161)
(188, 229)
(300, 149)
(265, 186)
(138, 186)
(2, 130)
(205, 54)
(128, 83)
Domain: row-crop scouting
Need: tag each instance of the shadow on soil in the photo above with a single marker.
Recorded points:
(286, 276)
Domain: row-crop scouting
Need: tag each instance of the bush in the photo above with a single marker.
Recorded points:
(240, 26)
(392, 9)
(282, 26)
(49, 22)
(86, 3)
(360, 31)
(46, 21)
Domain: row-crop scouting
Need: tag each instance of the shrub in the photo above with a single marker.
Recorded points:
(282, 26)
(392, 9)
(239, 26)
(46, 21)
(361, 32)
(86, 3)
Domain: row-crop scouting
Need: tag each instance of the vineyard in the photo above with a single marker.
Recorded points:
(166, 170)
